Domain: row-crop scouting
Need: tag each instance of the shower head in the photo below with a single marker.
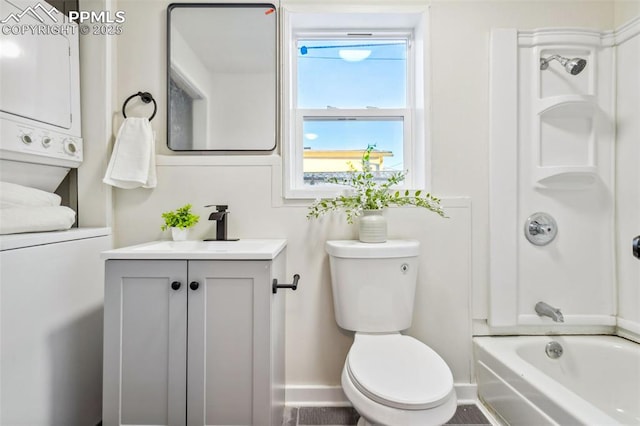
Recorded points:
(572, 66)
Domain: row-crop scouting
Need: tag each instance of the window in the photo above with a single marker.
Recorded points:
(348, 90)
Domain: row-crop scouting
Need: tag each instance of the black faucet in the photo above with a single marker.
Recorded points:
(220, 216)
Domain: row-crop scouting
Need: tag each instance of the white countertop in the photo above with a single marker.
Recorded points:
(244, 249)
(30, 239)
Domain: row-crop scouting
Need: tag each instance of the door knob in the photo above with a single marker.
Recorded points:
(175, 285)
(194, 285)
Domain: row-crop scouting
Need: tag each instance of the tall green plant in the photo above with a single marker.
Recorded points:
(368, 194)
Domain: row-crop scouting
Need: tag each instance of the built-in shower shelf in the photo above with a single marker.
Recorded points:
(569, 177)
(568, 106)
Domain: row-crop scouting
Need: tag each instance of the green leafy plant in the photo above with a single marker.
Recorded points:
(367, 193)
(180, 218)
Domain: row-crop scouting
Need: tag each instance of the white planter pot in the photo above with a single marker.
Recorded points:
(372, 227)
(179, 234)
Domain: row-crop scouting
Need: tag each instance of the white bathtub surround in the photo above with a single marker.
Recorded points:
(562, 163)
(628, 329)
(627, 177)
(595, 381)
(573, 180)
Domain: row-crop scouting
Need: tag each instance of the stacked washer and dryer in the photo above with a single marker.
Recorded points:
(51, 283)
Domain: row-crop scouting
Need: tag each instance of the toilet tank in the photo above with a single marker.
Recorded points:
(373, 284)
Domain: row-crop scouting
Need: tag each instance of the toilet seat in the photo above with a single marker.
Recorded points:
(398, 371)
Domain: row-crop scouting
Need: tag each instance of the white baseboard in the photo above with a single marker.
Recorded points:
(333, 396)
(467, 393)
(315, 396)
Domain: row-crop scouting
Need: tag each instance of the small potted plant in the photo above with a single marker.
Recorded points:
(179, 221)
(367, 197)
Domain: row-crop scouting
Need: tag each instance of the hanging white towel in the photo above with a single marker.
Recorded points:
(133, 161)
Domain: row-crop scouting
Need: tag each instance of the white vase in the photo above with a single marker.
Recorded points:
(180, 234)
(372, 227)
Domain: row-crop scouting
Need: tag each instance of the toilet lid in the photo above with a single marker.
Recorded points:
(399, 371)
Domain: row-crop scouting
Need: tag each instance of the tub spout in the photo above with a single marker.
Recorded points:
(545, 310)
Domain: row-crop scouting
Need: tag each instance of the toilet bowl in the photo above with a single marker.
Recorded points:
(391, 379)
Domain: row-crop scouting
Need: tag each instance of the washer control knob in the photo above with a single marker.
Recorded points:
(27, 139)
(70, 147)
(46, 141)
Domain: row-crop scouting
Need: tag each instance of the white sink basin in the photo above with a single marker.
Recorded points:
(211, 250)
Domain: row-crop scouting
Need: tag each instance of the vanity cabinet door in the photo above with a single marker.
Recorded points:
(145, 323)
(229, 355)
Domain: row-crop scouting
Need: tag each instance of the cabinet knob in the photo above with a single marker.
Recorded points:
(175, 285)
(194, 285)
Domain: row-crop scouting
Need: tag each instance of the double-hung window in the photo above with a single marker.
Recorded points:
(348, 90)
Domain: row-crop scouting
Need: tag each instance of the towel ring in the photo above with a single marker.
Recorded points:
(146, 98)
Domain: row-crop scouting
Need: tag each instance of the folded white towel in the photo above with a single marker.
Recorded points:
(35, 219)
(133, 161)
(14, 195)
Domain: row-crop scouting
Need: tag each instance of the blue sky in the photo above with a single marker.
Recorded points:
(326, 79)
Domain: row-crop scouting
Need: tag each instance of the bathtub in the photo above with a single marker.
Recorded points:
(596, 381)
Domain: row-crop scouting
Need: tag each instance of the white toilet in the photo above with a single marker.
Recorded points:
(391, 379)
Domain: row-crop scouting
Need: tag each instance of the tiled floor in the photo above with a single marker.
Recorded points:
(465, 415)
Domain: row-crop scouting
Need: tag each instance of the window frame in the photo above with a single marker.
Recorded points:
(414, 136)
(371, 114)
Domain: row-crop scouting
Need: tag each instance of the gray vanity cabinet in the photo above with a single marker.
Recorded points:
(195, 342)
(145, 343)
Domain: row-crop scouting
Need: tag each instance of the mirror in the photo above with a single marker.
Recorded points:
(222, 80)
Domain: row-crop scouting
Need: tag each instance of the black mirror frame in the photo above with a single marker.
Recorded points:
(276, 135)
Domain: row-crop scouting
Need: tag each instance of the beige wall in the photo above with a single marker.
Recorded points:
(625, 10)
(454, 262)
(98, 67)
